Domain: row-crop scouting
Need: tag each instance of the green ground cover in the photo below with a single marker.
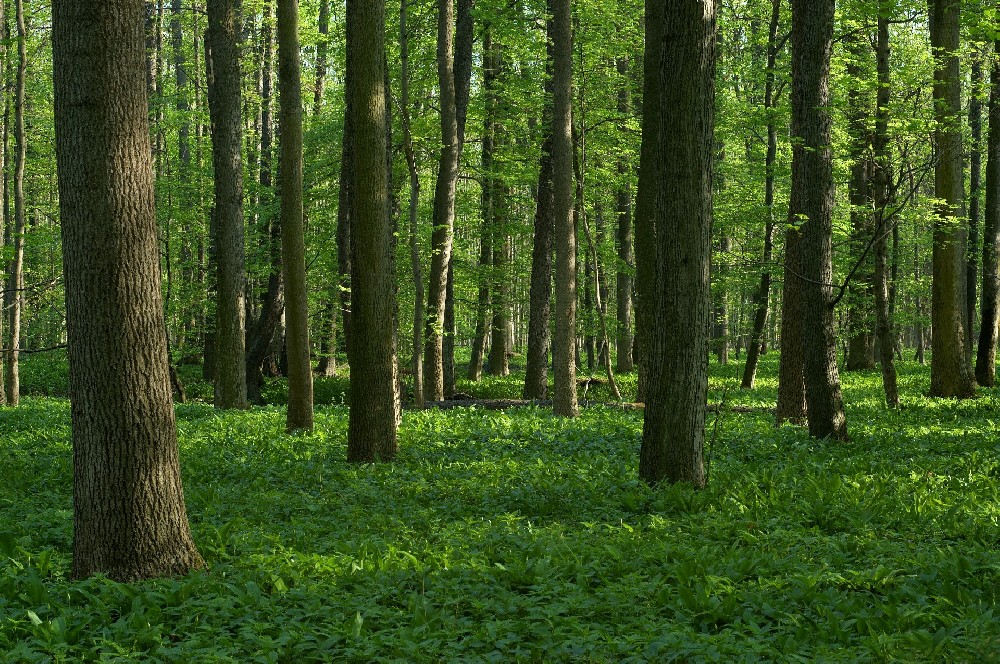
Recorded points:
(515, 536)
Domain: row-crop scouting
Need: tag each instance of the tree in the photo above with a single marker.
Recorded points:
(626, 258)
(950, 373)
(540, 293)
(225, 107)
(674, 211)
(813, 189)
(15, 284)
(986, 354)
(374, 416)
(293, 252)
(128, 510)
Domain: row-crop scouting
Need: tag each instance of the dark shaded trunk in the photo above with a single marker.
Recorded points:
(225, 106)
(975, 178)
(674, 216)
(986, 354)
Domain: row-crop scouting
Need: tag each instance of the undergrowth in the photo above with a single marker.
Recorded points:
(516, 536)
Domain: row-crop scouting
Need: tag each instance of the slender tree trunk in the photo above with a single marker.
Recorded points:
(762, 297)
(4, 196)
(812, 177)
(722, 311)
(225, 104)
(293, 251)
(986, 355)
(975, 179)
(950, 374)
(564, 364)
(448, 342)
(674, 211)
(344, 223)
(323, 25)
(16, 279)
(416, 359)
(883, 199)
(540, 293)
(374, 415)
(626, 256)
(129, 517)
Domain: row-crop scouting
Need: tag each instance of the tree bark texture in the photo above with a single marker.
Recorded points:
(375, 410)
(129, 517)
(675, 213)
(15, 292)
(225, 107)
(950, 373)
(540, 292)
(812, 177)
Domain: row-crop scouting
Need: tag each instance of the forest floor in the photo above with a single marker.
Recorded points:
(515, 536)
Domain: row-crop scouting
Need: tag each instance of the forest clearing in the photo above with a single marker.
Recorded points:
(518, 536)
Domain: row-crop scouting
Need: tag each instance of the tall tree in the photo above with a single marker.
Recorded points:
(950, 373)
(626, 257)
(15, 288)
(762, 296)
(674, 211)
(540, 293)
(225, 108)
(986, 353)
(128, 509)
(374, 417)
(564, 361)
(293, 251)
(812, 181)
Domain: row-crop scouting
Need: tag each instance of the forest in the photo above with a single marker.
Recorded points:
(499, 330)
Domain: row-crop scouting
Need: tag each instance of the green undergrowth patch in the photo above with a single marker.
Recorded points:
(516, 536)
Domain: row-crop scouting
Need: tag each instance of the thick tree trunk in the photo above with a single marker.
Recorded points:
(128, 510)
(950, 373)
(986, 355)
(564, 363)
(293, 252)
(225, 106)
(374, 415)
(540, 293)
(674, 213)
(762, 297)
(15, 290)
(812, 178)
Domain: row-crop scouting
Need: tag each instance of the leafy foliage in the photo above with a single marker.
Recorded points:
(506, 536)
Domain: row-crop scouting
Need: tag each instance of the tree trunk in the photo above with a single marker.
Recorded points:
(975, 178)
(374, 415)
(564, 364)
(674, 214)
(986, 354)
(293, 252)
(812, 178)
(762, 297)
(950, 374)
(4, 196)
(448, 341)
(540, 294)
(15, 293)
(321, 55)
(626, 256)
(416, 359)
(129, 517)
(225, 106)
(884, 222)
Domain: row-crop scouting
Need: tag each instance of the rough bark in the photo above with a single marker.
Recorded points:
(812, 178)
(299, 416)
(128, 504)
(674, 210)
(540, 291)
(225, 107)
(986, 354)
(564, 364)
(374, 415)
